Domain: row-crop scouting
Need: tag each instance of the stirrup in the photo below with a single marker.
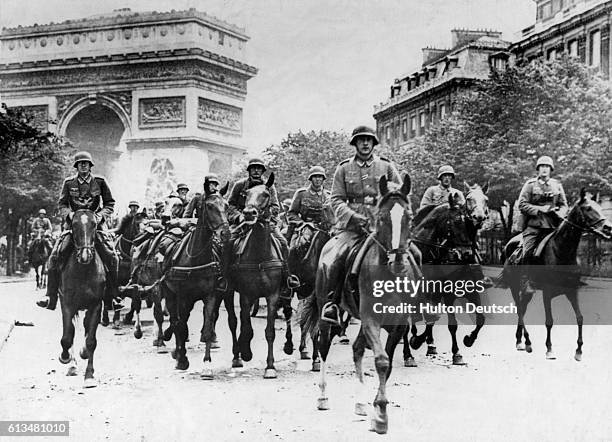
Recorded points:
(221, 284)
(335, 320)
(293, 282)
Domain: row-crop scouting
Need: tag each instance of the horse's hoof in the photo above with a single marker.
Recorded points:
(104, 322)
(578, 356)
(528, 348)
(288, 348)
(304, 355)
(207, 374)
(379, 425)
(468, 341)
(550, 355)
(361, 409)
(323, 403)
(138, 333)
(84, 354)
(246, 355)
(167, 334)
(316, 366)
(182, 365)
(90, 383)
(409, 362)
(414, 344)
(64, 360)
(431, 350)
(173, 354)
(521, 347)
(237, 363)
(458, 360)
(270, 373)
(72, 371)
(344, 340)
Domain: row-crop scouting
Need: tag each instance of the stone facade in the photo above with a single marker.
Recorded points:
(421, 98)
(174, 83)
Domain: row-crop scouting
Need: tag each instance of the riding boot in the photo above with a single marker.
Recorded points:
(111, 262)
(61, 249)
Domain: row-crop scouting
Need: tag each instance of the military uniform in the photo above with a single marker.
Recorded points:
(437, 195)
(193, 207)
(42, 224)
(307, 206)
(536, 194)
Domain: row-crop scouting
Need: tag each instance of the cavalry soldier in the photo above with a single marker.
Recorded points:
(353, 198)
(436, 195)
(42, 223)
(211, 186)
(127, 220)
(84, 191)
(307, 203)
(182, 191)
(159, 209)
(237, 201)
(543, 204)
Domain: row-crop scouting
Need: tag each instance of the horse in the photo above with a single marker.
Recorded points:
(82, 285)
(258, 272)
(191, 268)
(388, 258)
(446, 235)
(40, 249)
(586, 216)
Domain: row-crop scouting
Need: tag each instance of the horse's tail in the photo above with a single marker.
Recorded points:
(309, 320)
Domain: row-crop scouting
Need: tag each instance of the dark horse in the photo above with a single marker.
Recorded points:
(446, 235)
(258, 272)
(190, 274)
(387, 258)
(81, 288)
(557, 274)
(40, 249)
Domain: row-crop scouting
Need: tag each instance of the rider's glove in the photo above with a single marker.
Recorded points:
(360, 220)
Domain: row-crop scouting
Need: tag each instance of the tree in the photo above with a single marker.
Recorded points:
(32, 167)
(497, 131)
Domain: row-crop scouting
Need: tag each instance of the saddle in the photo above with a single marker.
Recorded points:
(517, 255)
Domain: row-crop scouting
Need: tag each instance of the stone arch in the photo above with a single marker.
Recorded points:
(82, 103)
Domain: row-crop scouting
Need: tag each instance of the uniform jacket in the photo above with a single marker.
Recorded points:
(192, 210)
(537, 193)
(237, 200)
(125, 224)
(307, 205)
(436, 195)
(41, 223)
(355, 188)
(93, 195)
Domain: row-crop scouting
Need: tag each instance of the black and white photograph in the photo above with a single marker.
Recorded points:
(306, 220)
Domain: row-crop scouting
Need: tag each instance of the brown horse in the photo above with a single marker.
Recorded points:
(258, 272)
(388, 257)
(82, 286)
(557, 274)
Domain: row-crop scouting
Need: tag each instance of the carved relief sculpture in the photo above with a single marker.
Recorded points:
(211, 113)
(162, 112)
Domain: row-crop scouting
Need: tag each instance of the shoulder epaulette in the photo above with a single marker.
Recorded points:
(345, 161)
(99, 178)
(385, 159)
(532, 180)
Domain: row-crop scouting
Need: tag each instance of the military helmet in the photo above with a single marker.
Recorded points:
(545, 160)
(159, 205)
(446, 169)
(82, 156)
(363, 130)
(182, 186)
(256, 162)
(211, 178)
(133, 203)
(43, 211)
(316, 170)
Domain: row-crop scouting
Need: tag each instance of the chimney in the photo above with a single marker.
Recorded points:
(430, 54)
(464, 36)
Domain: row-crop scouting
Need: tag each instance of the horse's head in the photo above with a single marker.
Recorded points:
(476, 203)
(588, 216)
(456, 234)
(393, 221)
(173, 206)
(84, 234)
(257, 201)
(214, 211)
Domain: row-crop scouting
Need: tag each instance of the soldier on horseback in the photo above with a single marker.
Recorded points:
(543, 204)
(127, 220)
(353, 197)
(237, 201)
(436, 195)
(182, 191)
(42, 222)
(307, 203)
(84, 191)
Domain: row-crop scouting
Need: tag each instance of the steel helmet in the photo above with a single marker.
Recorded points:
(363, 130)
(182, 186)
(134, 203)
(211, 178)
(316, 170)
(443, 170)
(159, 205)
(82, 156)
(545, 160)
(43, 211)
(256, 162)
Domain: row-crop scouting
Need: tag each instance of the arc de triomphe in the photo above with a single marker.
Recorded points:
(156, 97)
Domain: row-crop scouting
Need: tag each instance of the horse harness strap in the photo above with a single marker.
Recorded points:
(542, 244)
(262, 266)
(183, 273)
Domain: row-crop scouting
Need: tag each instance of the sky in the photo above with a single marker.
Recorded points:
(323, 64)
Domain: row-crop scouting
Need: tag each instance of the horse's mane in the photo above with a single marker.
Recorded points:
(428, 213)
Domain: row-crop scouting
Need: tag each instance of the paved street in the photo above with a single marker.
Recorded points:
(501, 394)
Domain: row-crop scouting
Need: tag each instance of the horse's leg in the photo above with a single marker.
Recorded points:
(468, 340)
(288, 313)
(408, 358)
(37, 277)
(67, 334)
(44, 275)
(212, 302)
(158, 315)
(360, 396)
(93, 319)
(394, 337)
(547, 299)
(232, 322)
(303, 351)
(316, 360)
(183, 307)
(325, 339)
(255, 308)
(104, 320)
(136, 306)
(271, 302)
(452, 328)
(246, 330)
(129, 316)
(371, 331)
(573, 299)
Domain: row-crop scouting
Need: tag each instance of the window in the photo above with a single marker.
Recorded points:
(388, 134)
(413, 123)
(499, 63)
(421, 123)
(221, 38)
(397, 132)
(544, 11)
(551, 54)
(557, 5)
(404, 129)
(572, 48)
(442, 111)
(432, 115)
(595, 49)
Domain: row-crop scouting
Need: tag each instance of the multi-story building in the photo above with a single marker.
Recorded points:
(421, 98)
(579, 28)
